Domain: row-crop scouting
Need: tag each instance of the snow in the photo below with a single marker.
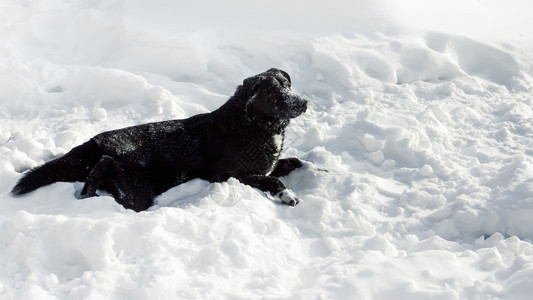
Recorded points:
(418, 136)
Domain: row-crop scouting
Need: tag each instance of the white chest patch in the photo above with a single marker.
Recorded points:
(278, 142)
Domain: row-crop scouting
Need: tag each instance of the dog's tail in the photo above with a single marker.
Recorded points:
(73, 166)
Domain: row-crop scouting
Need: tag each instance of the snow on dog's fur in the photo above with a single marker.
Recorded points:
(241, 139)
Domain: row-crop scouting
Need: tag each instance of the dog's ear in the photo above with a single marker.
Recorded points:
(249, 83)
(250, 87)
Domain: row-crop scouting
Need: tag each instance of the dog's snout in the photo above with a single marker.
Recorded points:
(303, 105)
(296, 105)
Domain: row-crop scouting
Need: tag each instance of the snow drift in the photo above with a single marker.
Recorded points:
(418, 140)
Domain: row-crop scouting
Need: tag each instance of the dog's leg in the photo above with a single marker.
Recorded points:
(97, 176)
(272, 186)
(285, 166)
(127, 187)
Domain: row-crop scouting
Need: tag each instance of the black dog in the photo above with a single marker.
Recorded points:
(241, 139)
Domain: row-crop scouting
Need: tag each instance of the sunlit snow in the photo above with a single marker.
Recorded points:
(418, 138)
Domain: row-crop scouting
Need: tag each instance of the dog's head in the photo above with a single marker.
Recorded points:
(268, 96)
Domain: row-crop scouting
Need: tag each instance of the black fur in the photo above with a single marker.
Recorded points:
(241, 139)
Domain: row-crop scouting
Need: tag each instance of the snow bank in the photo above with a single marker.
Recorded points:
(418, 135)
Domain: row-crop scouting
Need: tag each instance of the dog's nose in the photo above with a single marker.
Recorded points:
(304, 105)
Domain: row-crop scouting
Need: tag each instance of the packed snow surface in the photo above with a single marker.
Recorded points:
(418, 144)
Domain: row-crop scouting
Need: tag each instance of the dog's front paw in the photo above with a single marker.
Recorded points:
(287, 197)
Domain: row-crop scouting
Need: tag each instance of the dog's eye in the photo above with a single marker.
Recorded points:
(282, 81)
(286, 75)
